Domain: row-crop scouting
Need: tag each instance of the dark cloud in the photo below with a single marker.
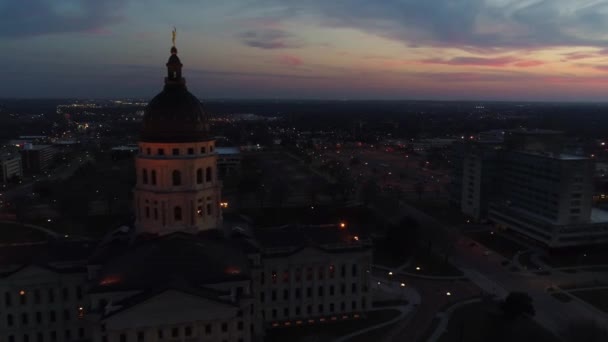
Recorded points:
(269, 38)
(480, 25)
(19, 18)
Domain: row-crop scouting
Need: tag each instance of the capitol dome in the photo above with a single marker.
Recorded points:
(174, 115)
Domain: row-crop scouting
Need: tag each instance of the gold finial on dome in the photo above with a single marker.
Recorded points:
(173, 35)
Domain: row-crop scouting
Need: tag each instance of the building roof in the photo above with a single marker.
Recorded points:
(228, 150)
(149, 263)
(289, 239)
(59, 256)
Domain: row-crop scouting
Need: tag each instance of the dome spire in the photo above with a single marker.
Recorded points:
(174, 65)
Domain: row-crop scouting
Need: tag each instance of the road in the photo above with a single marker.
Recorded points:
(487, 272)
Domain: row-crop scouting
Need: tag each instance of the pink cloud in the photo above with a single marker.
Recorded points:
(290, 60)
(473, 61)
(529, 63)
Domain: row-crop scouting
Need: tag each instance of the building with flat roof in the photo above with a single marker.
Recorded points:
(10, 167)
(37, 158)
(228, 160)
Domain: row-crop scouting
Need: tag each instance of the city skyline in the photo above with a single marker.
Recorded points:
(485, 50)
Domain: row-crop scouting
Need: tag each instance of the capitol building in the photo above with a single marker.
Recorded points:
(182, 273)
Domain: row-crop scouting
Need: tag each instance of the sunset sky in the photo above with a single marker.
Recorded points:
(326, 49)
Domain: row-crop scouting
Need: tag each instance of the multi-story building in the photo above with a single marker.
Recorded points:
(10, 167)
(181, 274)
(37, 158)
(43, 291)
(228, 161)
(528, 185)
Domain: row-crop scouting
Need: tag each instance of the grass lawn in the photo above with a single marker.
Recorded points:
(16, 233)
(583, 257)
(498, 243)
(597, 298)
(482, 322)
(329, 331)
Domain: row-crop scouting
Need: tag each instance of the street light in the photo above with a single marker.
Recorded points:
(402, 284)
(448, 294)
(390, 274)
(418, 268)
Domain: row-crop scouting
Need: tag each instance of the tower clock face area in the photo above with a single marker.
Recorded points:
(177, 187)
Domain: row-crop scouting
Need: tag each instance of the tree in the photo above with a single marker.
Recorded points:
(402, 238)
(517, 304)
(369, 192)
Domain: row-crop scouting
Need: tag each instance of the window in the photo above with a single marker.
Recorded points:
(51, 296)
(203, 150)
(354, 305)
(199, 211)
(190, 151)
(210, 148)
(52, 316)
(309, 292)
(36, 296)
(342, 288)
(298, 293)
(286, 312)
(285, 294)
(224, 327)
(24, 318)
(274, 295)
(147, 212)
(7, 299)
(274, 313)
(153, 174)
(297, 311)
(140, 336)
(208, 208)
(148, 151)
(53, 336)
(262, 297)
(331, 307)
(286, 276)
(80, 332)
(11, 338)
(39, 317)
(160, 334)
(208, 329)
(354, 270)
(309, 309)
(320, 292)
(22, 298)
(9, 320)
(177, 178)
(123, 338)
(177, 213)
(65, 293)
(188, 331)
(332, 270)
(208, 174)
(26, 338)
(39, 337)
(156, 213)
(176, 151)
(199, 176)
(175, 332)
(66, 315)
(239, 325)
(161, 152)
(353, 288)
(321, 272)
(331, 290)
(144, 176)
(309, 273)
(343, 271)
(320, 308)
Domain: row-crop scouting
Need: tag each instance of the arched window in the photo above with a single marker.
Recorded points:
(177, 178)
(199, 176)
(9, 320)
(177, 213)
(209, 175)
(144, 176)
(153, 174)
